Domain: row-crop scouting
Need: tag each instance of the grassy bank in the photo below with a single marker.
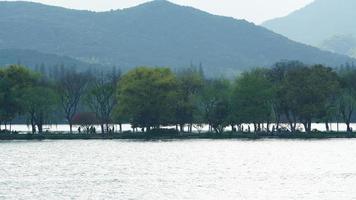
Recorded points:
(158, 136)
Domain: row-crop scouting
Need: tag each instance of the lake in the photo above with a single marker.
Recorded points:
(185, 169)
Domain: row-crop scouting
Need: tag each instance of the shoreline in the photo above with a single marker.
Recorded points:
(180, 136)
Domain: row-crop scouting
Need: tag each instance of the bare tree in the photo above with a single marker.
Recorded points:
(101, 98)
(71, 87)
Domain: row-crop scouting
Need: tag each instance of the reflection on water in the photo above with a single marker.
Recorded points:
(192, 169)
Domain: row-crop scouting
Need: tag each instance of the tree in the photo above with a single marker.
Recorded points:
(101, 98)
(282, 106)
(309, 89)
(9, 106)
(13, 81)
(347, 99)
(253, 96)
(214, 104)
(190, 83)
(71, 88)
(147, 97)
(40, 103)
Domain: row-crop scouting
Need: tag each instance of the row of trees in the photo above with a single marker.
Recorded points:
(290, 92)
(40, 100)
(148, 98)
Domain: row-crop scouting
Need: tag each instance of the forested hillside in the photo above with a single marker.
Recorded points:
(328, 24)
(157, 33)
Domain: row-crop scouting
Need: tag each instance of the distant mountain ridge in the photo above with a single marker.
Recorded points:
(35, 59)
(328, 24)
(157, 33)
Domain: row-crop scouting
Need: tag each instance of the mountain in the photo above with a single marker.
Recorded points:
(35, 59)
(342, 44)
(157, 33)
(328, 24)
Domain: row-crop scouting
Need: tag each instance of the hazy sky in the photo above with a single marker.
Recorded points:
(252, 10)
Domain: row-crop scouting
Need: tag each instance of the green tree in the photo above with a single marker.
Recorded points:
(253, 96)
(147, 96)
(282, 107)
(347, 99)
(309, 89)
(190, 83)
(13, 81)
(9, 106)
(215, 104)
(40, 103)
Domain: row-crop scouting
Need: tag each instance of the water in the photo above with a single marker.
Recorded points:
(189, 169)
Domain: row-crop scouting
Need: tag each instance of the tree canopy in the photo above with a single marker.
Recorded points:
(148, 96)
(290, 96)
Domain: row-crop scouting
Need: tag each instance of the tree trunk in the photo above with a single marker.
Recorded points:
(39, 123)
(102, 128)
(307, 126)
(347, 119)
(33, 128)
(40, 128)
(292, 128)
(337, 126)
(33, 125)
(256, 128)
(181, 127)
(327, 126)
(292, 122)
(278, 121)
(70, 127)
(348, 126)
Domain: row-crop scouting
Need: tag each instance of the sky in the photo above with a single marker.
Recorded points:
(255, 11)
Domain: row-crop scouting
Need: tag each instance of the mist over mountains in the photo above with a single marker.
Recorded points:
(328, 24)
(157, 33)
